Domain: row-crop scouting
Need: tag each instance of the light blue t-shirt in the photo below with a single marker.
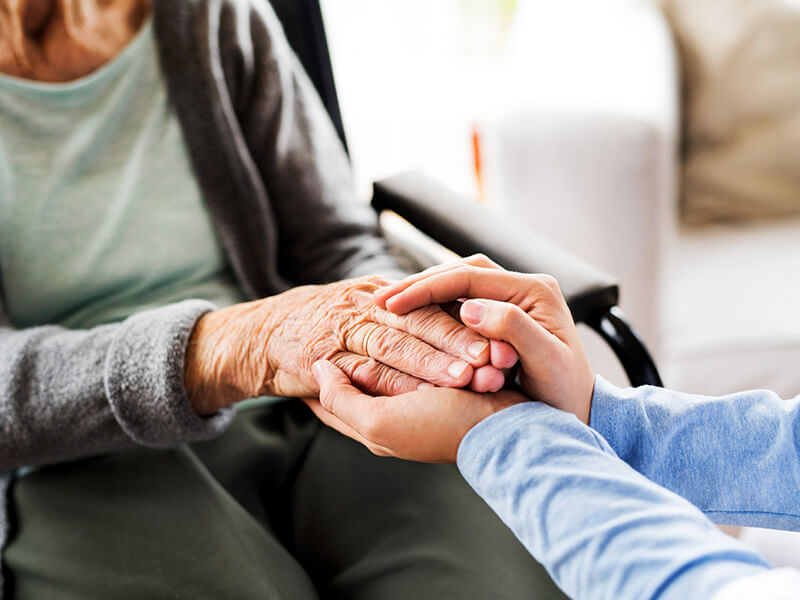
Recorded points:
(100, 214)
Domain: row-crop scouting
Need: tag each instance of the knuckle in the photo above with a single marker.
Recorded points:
(550, 282)
(365, 371)
(368, 374)
(434, 323)
(424, 318)
(381, 342)
(346, 323)
(345, 361)
(393, 382)
(357, 335)
(479, 260)
(428, 363)
(412, 353)
(508, 316)
(505, 316)
(359, 366)
(353, 298)
(453, 337)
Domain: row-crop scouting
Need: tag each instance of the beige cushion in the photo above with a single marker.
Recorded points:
(729, 309)
(741, 77)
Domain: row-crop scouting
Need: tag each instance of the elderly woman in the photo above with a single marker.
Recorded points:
(162, 167)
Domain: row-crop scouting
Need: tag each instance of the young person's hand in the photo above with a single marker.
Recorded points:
(527, 311)
(426, 425)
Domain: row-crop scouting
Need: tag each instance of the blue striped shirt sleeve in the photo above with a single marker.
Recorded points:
(735, 457)
(601, 529)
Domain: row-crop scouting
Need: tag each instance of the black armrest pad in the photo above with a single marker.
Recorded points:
(467, 228)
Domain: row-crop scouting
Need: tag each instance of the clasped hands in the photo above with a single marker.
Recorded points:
(527, 312)
(389, 364)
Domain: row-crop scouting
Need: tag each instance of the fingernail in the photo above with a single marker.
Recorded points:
(477, 348)
(318, 369)
(473, 312)
(456, 369)
(425, 386)
(380, 291)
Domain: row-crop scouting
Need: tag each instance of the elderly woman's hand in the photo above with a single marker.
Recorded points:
(268, 347)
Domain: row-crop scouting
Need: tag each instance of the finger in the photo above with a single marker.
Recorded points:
(434, 326)
(336, 423)
(338, 396)
(465, 282)
(481, 260)
(487, 379)
(503, 355)
(364, 414)
(405, 352)
(508, 322)
(374, 377)
(476, 260)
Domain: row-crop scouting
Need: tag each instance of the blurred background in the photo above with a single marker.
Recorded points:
(660, 140)
(414, 77)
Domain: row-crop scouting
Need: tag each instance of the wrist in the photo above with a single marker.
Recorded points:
(216, 373)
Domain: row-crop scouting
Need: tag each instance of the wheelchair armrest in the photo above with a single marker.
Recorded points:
(467, 228)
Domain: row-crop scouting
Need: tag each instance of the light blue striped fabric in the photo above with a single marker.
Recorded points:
(604, 530)
(736, 457)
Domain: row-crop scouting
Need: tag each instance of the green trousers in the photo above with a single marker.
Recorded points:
(278, 507)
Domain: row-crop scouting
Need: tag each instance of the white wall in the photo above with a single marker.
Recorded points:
(412, 76)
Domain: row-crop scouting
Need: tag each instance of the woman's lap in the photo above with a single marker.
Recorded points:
(238, 516)
(142, 525)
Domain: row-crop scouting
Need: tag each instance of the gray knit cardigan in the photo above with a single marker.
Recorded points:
(277, 184)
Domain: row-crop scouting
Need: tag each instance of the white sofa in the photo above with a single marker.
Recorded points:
(585, 150)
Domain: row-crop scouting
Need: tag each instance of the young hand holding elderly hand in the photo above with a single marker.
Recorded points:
(526, 311)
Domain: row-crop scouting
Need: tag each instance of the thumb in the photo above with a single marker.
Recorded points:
(509, 323)
(334, 386)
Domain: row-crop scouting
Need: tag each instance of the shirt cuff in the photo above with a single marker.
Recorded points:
(144, 378)
(614, 411)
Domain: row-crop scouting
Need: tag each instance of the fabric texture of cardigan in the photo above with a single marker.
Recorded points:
(278, 186)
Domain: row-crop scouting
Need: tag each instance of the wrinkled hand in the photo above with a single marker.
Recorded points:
(527, 311)
(267, 347)
(427, 425)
